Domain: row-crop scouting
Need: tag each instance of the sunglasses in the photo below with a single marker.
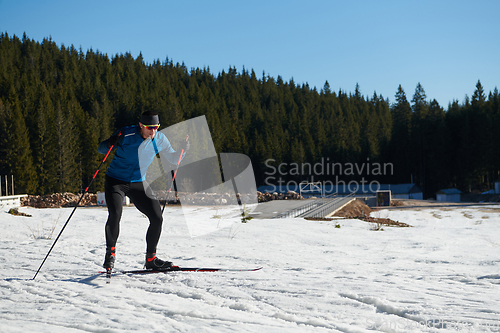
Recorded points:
(151, 127)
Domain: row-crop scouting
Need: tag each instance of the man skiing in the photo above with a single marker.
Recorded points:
(124, 178)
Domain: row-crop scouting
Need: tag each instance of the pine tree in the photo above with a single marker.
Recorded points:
(437, 154)
(420, 108)
(67, 167)
(494, 104)
(401, 137)
(481, 130)
(44, 142)
(4, 139)
(18, 160)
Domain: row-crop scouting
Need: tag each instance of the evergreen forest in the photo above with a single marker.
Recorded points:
(58, 103)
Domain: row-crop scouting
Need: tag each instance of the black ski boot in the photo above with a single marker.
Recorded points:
(155, 264)
(109, 259)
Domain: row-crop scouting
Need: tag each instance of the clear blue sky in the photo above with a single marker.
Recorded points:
(446, 45)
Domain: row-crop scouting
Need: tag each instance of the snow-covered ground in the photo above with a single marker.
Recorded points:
(442, 275)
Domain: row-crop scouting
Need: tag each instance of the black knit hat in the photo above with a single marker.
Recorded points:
(150, 118)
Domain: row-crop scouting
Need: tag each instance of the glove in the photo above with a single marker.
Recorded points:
(184, 144)
(114, 140)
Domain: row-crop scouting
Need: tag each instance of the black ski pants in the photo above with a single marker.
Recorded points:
(143, 198)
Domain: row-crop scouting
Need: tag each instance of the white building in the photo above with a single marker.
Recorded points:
(448, 195)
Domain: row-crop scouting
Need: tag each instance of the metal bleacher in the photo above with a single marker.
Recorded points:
(322, 207)
(328, 207)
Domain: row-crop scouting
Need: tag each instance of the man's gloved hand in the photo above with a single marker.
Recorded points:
(184, 144)
(114, 140)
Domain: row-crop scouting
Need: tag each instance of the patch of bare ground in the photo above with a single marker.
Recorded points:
(319, 218)
(490, 210)
(467, 215)
(354, 209)
(15, 211)
(357, 209)
(383, 221)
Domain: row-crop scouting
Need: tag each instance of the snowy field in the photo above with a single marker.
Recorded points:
(442, 275)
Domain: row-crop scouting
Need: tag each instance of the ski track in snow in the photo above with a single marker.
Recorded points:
(441, 275)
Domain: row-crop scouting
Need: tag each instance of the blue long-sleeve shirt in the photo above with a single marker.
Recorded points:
(134, 154)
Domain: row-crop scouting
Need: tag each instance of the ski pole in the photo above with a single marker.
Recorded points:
(81, 197)
(173, 176)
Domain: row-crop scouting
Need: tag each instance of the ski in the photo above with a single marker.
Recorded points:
(184, 269)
